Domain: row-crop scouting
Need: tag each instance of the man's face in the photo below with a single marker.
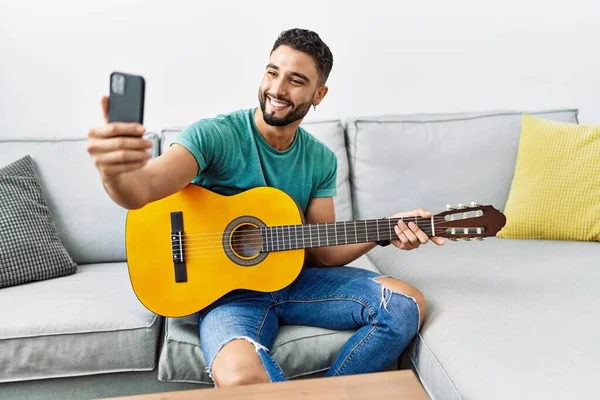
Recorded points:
(289, 86)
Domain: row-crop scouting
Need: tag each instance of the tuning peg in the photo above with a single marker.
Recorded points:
(449, 207)
(480, 239)
(461, 206)
(453, 239)
(467, 239)
(474, 204)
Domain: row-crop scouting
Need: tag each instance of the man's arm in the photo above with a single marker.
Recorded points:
(129, 177)
(159, 178)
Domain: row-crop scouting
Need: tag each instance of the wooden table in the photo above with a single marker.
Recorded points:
(377, 386)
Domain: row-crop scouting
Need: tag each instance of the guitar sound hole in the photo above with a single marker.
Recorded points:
(246, 241)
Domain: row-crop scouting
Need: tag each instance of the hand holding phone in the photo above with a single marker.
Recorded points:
(118, 146)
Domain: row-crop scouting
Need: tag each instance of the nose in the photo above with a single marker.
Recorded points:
(278, 87)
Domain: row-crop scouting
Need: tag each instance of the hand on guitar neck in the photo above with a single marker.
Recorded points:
(410, 233)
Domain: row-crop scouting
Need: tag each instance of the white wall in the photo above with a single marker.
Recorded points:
(201, 58)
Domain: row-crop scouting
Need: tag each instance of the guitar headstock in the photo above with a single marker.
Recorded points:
(469, 222)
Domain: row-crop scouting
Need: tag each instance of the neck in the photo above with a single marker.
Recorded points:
(290, 237)
(279, 137)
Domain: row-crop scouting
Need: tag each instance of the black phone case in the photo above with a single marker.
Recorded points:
(126, 99)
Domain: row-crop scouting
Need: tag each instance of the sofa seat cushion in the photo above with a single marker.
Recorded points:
(506, 318)
(299, 350)
(87, 323)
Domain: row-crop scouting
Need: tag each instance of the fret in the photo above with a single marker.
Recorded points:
(332, 234)
(345, 234)
(303, 240)
(317, 235)
(369, 233)
(277, 238)
(283, 229)
(310, 236)
(270, 239)
(266, 239)
(328, 233)
(296, 234)
(336, 237)
(281, 238)
(378, 231)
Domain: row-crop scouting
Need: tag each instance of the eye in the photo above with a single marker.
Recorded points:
(272, 73)
(297, 82)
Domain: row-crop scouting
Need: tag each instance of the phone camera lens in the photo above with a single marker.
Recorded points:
(118, 84)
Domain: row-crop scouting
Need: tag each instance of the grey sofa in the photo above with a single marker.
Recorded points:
(506, 318)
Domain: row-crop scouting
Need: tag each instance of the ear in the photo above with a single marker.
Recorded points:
(321, 92)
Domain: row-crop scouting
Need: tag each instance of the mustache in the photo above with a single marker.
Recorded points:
(265, 94)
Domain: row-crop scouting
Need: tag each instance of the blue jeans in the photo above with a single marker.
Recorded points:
(339, 298)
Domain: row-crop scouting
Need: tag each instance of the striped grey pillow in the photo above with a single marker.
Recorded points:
(30, 248)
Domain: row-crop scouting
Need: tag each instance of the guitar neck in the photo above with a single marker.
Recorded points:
(292, 237)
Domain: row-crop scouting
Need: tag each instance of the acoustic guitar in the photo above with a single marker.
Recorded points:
(189, 249)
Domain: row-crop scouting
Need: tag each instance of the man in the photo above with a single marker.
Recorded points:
(266, 146)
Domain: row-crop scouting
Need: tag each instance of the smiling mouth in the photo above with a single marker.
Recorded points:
(278, 105)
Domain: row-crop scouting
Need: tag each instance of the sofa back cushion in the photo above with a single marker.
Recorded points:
(331, 133)
(90, 225)
(402, 162)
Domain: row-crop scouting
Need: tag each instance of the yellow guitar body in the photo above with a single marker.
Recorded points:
(213, 228)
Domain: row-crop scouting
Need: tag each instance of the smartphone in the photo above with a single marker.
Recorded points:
(126, 98)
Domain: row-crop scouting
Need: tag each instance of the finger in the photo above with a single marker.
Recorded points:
(405, 236)
(117, 169)
(409, 233)
(424, 213)
(401, 236)
(104, 104)
(400, 244)
(438, 240)
(114, 144)
(117, 129)
(421, 236)
(121, 157)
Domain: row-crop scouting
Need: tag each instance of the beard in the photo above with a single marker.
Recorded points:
(295, 113)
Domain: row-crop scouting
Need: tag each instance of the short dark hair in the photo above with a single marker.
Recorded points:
(308, 42)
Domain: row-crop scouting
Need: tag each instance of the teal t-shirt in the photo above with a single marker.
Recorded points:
(233, 157)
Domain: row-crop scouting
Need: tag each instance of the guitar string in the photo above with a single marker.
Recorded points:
(291, 236)
(294, 233)
(202, 254)
(290, 233)
(341, 223)
(370, 230)
(319, 227)
(218, 249)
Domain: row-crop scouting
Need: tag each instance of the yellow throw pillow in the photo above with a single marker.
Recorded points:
(555, 192)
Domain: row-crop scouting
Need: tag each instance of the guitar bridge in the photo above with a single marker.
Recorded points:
(177, 246)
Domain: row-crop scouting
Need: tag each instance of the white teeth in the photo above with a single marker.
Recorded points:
(277, 104)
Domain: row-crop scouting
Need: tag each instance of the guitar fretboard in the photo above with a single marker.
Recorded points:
(292, 237)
